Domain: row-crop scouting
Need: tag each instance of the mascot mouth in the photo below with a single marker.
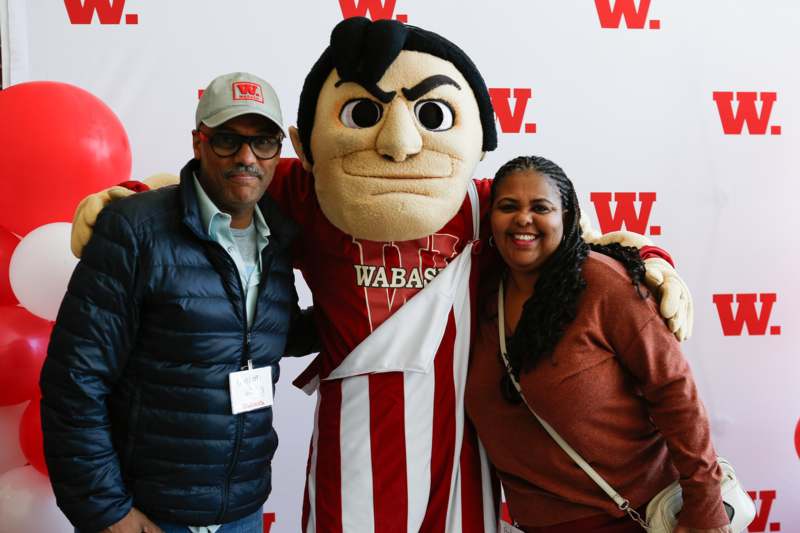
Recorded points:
(427, 164)
(400, 191)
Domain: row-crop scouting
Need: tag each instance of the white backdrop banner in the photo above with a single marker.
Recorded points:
(674, 118)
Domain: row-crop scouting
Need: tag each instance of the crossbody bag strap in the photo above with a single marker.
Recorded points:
(622, 503)
(474, 200)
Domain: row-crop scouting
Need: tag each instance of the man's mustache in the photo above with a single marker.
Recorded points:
(250, 170)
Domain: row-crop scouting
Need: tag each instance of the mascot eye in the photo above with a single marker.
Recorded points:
(434, 115)
(361, 113)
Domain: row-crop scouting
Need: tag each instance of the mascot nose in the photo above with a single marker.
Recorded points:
(399, 138)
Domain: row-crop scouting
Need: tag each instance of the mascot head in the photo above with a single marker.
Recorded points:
(392, 121)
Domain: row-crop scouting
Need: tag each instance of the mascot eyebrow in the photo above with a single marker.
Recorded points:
(427, 85)
(423, 87)
(373, 89)
(361, 51)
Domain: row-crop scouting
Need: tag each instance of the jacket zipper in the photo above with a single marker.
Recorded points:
(242, 365)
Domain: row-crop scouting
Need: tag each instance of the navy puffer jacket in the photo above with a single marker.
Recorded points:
(135, 398)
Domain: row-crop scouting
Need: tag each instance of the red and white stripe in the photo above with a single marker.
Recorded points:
(391, 450)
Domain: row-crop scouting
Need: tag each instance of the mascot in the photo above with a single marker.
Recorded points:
(392, 122)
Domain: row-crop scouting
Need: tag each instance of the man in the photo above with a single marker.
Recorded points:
(157, 388)
(392, 121)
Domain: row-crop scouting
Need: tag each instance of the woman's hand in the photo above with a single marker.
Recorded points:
(684, 529)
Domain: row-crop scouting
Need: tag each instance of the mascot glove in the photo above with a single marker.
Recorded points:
(588, 233)
(86, 215)
(676, 300)
(87, 211)
(625, 238)
(162, 179)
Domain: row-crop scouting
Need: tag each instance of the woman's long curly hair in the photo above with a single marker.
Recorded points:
(554, 303)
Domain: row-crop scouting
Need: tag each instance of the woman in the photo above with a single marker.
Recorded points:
(595, 360)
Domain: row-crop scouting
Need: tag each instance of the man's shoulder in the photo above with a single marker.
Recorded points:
(147, 207)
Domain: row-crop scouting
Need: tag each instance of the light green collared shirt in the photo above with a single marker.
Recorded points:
(218, 227)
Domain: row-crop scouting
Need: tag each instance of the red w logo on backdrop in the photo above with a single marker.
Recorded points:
(108, 11)
(635, 17)
(763, 500)
(372, 9)
(746, 112)
(269, 519)
(511, 120)
(797, 438)
(625, 216)
(746, 313)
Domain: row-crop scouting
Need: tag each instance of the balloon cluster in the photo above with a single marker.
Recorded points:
(59, 143)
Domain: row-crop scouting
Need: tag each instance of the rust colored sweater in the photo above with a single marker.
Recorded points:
(618, 389)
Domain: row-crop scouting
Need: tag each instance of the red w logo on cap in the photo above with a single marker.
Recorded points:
(243, 90)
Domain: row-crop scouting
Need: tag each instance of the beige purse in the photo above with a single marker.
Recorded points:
(662, 511)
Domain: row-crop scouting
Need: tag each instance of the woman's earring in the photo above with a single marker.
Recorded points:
(491, 241)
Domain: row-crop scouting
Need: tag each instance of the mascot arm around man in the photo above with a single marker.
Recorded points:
(393, 120)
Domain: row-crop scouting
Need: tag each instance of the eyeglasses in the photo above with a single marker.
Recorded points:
(226, 144)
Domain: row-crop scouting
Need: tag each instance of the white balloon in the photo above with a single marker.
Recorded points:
(11, 455)
(40, 268)
(27, 504)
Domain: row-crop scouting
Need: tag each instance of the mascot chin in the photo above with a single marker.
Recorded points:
(392, 122)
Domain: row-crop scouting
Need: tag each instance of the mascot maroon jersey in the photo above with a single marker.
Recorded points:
(391, 449)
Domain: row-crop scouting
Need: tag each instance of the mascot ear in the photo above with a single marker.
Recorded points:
(294, 135)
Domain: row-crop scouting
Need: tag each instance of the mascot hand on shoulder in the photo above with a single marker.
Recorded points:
(662, 279)
(86, 213)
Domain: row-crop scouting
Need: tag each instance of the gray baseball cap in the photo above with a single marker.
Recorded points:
(235, 94)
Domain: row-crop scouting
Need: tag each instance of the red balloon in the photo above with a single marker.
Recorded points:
(30, 434)
(59, 143)
(23, 347)
(797, 438)
(8, 241)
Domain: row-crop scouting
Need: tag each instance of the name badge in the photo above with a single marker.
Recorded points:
(251, 389)
(505, 527)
